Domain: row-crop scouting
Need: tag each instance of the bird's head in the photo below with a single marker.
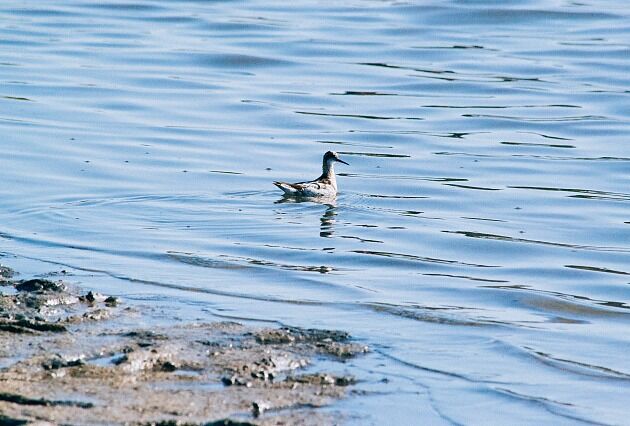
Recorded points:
(331, 156)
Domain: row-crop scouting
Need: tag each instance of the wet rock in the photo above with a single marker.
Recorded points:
(145, 335)
(111, 301)
(5, 274)
(10, 421)
(228, 422)
(23, 400)
(236, 380)
(332, 342)
(342, 350)
(58, 362)
(93, 315)
(27, 326)
(259, 407)
(274, 337)
(295, 334)
(166, 366)
(11, 328)
(222, 422)
(92, 297)
(89, 297)
(97, 315)
(40, 285)
(324, 379)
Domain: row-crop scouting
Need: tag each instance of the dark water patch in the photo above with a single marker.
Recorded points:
(17, 98)
(238, 263)
(362, 116)
(582, 193)
(456, 135)
(375, 154)
(550, 145)
(498, 106)
(397, 197)
(440, 315)
(125, 7)
(205, 262)
(451, 76)
(234, 60)
(480, 188)
(225, 172)
(425, 70)
(359, 93)
(420, 259)
(464, 154)
(465, 277)
(322, 269)
(363, 240)
(449, 135)
(516, 16)
(548, 301)
(597, 269)
(576, 367)
(172, 19)
(402, 177)
(554, 406)
(485, 236)
(484, 219)
(547, 136)
(533, 156)
(542, 120)
(455, 46)
(354, 144)
(47, 12)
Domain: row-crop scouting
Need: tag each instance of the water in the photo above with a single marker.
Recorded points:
(480, 243)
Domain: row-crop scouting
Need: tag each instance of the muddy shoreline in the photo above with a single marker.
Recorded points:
(71, 357)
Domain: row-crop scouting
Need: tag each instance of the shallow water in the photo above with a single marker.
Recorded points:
(481, 240)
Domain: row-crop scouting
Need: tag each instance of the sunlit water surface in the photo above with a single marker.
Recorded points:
(481, 240)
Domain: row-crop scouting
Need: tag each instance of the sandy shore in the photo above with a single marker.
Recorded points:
(72, 357)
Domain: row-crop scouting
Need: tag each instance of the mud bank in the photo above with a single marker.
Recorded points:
(75, 358)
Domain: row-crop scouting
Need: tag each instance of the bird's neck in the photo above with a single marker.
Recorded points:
(328, 170)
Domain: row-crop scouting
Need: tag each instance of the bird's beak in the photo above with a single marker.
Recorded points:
(341, 161)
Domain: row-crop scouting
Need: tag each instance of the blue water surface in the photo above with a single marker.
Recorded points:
(480, 243)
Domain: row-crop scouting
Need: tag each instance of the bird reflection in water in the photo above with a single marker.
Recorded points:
(327, 221)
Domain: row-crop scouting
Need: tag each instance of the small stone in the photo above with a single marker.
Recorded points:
(259, 407)
(167, 367)
(111, 301)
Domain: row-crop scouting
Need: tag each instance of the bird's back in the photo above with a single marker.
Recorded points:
(315, 188)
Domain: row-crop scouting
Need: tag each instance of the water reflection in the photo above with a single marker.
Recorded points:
(327, 220)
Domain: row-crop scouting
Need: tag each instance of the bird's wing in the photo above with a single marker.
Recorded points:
(298, 188)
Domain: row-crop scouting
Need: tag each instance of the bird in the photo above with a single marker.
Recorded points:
(323, 186)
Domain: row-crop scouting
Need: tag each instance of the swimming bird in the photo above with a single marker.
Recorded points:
(323, 186)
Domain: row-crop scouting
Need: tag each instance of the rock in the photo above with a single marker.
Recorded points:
(111, 301)
(259, 407)
(5, 274)
(58, 362)
(39, 285)
(27, 326)
(324, 379)
(236, 381)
